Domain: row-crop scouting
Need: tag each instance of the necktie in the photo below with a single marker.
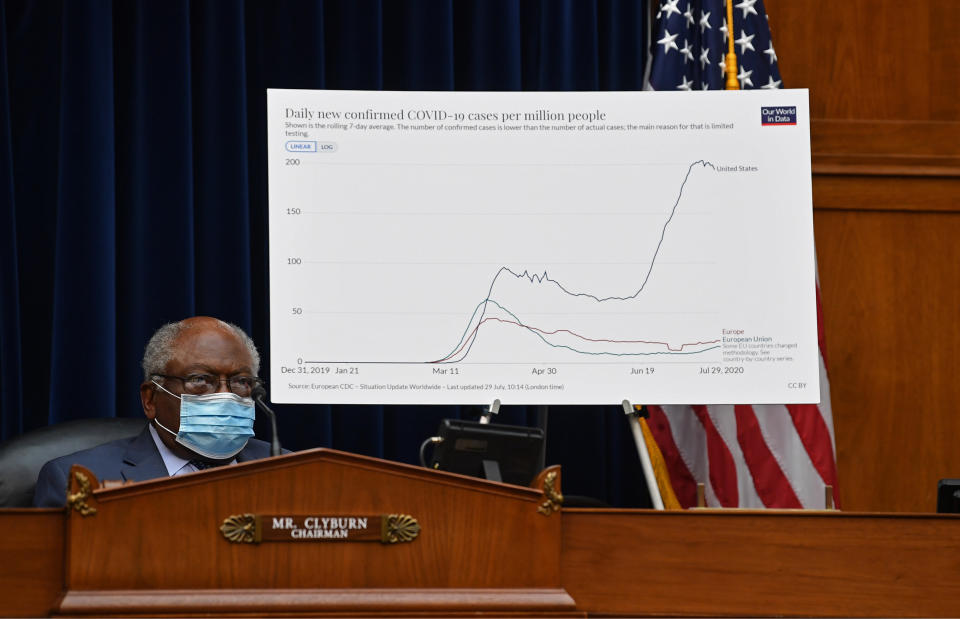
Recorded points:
(201, 465)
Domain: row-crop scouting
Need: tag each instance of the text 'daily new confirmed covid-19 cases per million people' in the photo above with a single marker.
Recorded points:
(541, 248)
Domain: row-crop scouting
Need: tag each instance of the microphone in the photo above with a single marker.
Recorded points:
(258, 394)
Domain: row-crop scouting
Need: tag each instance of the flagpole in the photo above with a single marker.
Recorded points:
(731, 59)
(652, 487)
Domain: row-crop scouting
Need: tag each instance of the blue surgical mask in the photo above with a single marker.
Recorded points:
(215, 425)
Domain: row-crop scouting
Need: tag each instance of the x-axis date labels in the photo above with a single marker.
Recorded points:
(321, 370)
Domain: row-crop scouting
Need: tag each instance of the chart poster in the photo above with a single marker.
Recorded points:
(541, 248)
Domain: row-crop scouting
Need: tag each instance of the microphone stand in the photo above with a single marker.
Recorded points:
(258, 396)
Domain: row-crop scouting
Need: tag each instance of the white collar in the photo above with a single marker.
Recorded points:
(172, 461)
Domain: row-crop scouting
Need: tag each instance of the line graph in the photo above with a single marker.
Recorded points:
(638, 258)
(471, 335)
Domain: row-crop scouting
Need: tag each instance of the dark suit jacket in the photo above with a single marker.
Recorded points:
(128, 459)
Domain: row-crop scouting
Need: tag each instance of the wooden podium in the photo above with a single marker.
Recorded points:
(157, 547)
(323, 532)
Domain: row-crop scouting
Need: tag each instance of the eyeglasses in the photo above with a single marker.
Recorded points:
(200, 384)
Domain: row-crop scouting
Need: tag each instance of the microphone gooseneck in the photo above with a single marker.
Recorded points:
(258, 394)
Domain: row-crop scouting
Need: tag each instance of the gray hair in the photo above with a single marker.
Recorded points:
(159, 349)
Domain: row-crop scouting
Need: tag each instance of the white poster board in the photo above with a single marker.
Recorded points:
(541, 248)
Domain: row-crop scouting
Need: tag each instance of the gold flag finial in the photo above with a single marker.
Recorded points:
(731, 59)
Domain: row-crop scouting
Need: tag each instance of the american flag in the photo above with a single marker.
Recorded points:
(745, 455)
(751, 455)
(690, 43)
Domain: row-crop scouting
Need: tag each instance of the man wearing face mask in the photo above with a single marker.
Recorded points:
(199, 379)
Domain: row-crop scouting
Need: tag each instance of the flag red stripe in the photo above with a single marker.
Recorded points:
(815, 437)
(723, 470)
(682, 480)
(771, 483)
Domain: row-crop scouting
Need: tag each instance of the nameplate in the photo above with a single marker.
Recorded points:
(256, 528)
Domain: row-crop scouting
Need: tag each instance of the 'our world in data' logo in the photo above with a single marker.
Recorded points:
(778, 116)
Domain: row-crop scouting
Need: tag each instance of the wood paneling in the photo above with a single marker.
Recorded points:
(741, 563)
(885, 139)
(891, 296)
(870, 59)
(868, 193)
(898, 148)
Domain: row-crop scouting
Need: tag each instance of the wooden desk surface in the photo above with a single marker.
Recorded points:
(641, 562)
(743, 563)
(31, 561)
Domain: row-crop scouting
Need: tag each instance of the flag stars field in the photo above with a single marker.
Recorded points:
(700, 31)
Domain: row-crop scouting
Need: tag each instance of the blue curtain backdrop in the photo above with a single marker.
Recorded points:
(133, 187)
